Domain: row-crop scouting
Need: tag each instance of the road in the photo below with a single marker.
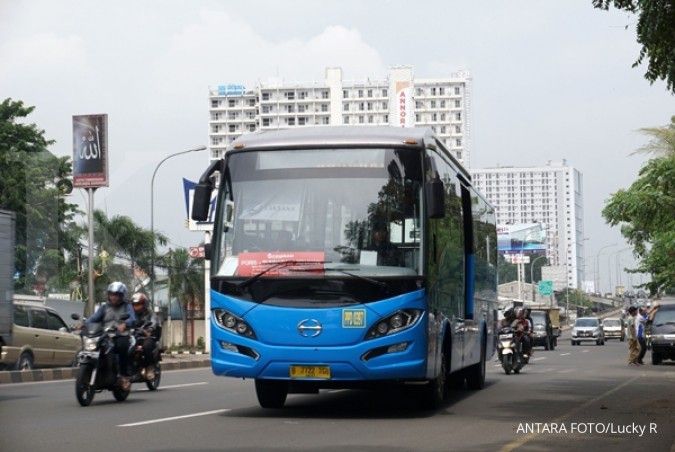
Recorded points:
(197, 411)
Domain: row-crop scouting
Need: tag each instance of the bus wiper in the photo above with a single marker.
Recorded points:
(375, 282)
(274, 266)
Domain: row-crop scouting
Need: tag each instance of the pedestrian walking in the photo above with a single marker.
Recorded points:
(641, 319)
(631, 335)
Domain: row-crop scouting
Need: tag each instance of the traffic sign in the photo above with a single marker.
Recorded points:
(196, 252)
(545, 287)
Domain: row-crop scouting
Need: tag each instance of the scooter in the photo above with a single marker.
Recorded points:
(510, 351)
(98, 366)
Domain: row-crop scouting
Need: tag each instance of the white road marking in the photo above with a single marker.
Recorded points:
(566, 371)
(184, 385)
(174, 418)
(584, 351)
(539, 358)
(565, 354)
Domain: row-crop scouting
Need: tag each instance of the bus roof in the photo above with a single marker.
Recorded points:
(340, 136)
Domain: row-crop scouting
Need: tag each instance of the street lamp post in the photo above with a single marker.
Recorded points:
(597, 264)
(152, 218)
(532, 274)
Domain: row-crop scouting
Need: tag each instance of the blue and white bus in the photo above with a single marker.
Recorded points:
(345, 257)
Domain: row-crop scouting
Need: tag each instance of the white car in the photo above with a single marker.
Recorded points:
(588, 329)
(613, 328)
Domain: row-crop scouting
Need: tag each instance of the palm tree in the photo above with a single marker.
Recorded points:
(663, 140)
(185, 281)
(120, 237)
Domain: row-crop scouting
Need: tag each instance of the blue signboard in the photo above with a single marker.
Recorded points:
(231, 90)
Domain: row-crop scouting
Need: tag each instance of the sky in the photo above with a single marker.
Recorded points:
(551, 80)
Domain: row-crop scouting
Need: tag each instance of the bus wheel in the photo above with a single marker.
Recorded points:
(475, 375)
(271, 393)
(435, 392)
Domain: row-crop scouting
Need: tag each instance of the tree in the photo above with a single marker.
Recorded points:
(656, 33)
(185, 281)
(662, 143)
(645, 214)
(34, 185)
(119, 239)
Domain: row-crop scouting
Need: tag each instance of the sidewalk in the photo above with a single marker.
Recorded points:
(169, 362)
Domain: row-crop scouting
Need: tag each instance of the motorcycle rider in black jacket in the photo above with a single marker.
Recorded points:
(147, 320)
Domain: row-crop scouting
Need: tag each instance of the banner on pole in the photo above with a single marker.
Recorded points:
(90, 151)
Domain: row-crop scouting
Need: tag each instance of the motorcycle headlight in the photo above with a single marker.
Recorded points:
(90, 343)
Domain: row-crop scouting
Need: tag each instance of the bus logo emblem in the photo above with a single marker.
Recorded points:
(309, 328)
(353, 318)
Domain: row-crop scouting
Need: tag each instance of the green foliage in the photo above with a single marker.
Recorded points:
(34, 183)
(656, 33)
(645, 214)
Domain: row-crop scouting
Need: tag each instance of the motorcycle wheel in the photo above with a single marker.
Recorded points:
(154, 384)
(83, 391)
(119, 394)
(507, 364)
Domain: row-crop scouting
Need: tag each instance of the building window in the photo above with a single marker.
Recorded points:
(442, 104)
(370, 119)
(384, 105)
(370, 105)
(345, 94)
(302, 94)
(324, 107)
(442, 116)
(265, 96)
(360, 93)
(251, 102)
(289, 108)
(361, 106)
(326, 120)
(230, 103)
(458, 129)
(290, 95)
(459, 155)
(456, 90)
(361, 119)
(345, 119)
(458, 142)
(417, 117)
(384, 93)
(290, 121)
(370, 93)
(232, 128)
(457, 104)
(301, 108)
(251, 127)
(433, 117)
(214, 104)
(266, 122)
(433, 104)
(302, 121)
(441, 91)
(324, 94)
(345, 106)
(265, 109)
(442, 129)
(386, 118)
(458, 116)
(418, 104)
(420, 91)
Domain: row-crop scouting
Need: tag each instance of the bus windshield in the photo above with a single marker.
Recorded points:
(320, 212)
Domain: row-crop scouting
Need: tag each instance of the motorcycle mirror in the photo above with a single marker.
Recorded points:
(74, 316)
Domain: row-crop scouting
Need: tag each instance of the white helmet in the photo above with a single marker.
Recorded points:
(119, 288)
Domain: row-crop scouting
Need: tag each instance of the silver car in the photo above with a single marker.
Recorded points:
(588, 329)
(614, 328)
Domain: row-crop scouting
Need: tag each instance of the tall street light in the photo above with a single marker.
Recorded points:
(597, 264)
(532, 274)
(152, 215)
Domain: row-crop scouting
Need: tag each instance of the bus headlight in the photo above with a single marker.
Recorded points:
(398, 321)
(233, 323)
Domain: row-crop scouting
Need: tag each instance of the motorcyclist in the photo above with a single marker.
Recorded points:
(110, 314)
(522, 328)
(509, 317)
(147, 320)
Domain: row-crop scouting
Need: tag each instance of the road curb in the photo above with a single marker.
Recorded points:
(67, 373)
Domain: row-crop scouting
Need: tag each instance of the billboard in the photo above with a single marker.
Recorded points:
(404, 104)
(524, 238)
(90, 151)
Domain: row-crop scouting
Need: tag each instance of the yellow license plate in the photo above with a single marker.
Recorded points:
(310, 372)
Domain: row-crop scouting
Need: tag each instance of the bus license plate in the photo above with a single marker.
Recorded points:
(310, 372)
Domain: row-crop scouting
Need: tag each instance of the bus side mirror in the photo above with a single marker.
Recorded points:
(435, 198)
(201, 202)
(207, 251)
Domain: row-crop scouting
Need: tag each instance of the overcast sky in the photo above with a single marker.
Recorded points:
(552, 80)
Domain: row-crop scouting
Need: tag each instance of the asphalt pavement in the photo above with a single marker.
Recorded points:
(549, 406)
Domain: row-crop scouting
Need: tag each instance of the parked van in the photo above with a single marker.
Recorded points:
(40, 339)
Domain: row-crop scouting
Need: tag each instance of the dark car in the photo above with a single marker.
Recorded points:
(542, 330)
(662, 334)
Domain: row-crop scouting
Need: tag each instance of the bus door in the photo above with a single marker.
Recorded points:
(471, 323)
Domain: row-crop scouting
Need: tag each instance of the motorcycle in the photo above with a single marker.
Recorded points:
(98, 364)
(138, 370)
(510, 351)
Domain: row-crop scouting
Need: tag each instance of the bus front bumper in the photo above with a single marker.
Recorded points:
(401, 356)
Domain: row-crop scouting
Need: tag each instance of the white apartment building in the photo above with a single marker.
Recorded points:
(551, 195)
(444, 104)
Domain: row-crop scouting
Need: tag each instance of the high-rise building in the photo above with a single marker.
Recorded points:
(400, 100)
(551, 195)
